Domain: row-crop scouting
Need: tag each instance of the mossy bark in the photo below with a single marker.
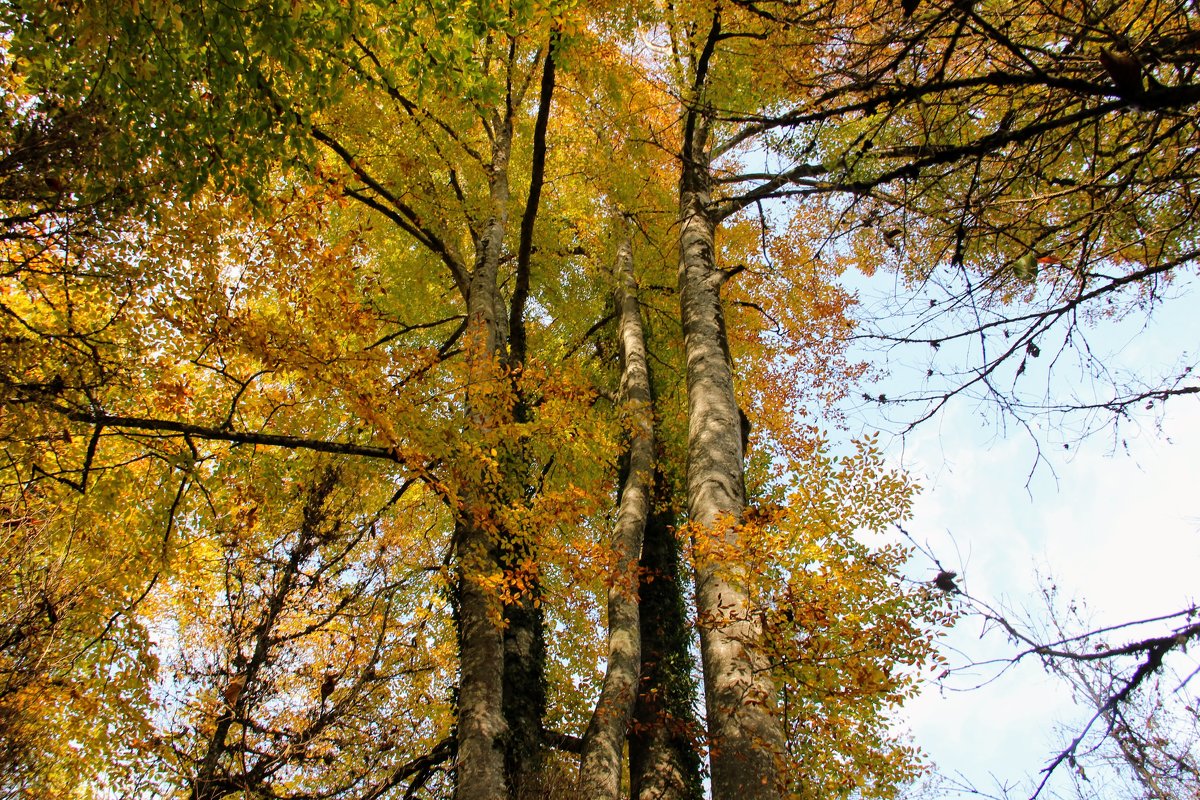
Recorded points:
(603, 743)
(746, 737)
(664, 760)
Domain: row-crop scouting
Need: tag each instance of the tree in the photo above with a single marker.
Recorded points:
(1149, 733)
(342, 307)
(1027, 171)
(1139, 739)
(1002, 141)
(600, 761)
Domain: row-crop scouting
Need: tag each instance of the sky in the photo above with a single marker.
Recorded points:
(1112, 520)
(1118, 530)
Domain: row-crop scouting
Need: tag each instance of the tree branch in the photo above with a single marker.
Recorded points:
(516, 324)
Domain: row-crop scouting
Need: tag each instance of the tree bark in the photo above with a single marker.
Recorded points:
(482, 728)
(524, 620)
(524, 688)
(664, 763)
(745, 734)
(481, 724)
(600, 766)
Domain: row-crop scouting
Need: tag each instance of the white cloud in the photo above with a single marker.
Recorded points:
(1121, 531)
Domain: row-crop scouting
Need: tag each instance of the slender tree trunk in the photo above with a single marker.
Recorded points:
(482, 729)
(664, 763)
(745, 734)
(600, 765)
(524, 620)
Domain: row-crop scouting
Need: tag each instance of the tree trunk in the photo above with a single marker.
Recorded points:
(482, 729)
(524, 620)
(664, 763)
(745, 735)
(524, 690)
(481, 725)
(600, 765)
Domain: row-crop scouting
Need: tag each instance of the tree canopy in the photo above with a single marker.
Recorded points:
(440, 399)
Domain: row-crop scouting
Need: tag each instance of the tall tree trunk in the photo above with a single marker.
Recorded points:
(745, 734)
(664, 763)
(482, 729)
(600, 765)
(524, 620)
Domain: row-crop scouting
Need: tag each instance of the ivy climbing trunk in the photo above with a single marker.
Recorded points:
(745, 734)
(664, 762)
(603, 742)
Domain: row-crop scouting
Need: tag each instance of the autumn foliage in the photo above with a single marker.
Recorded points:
(318, 413)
